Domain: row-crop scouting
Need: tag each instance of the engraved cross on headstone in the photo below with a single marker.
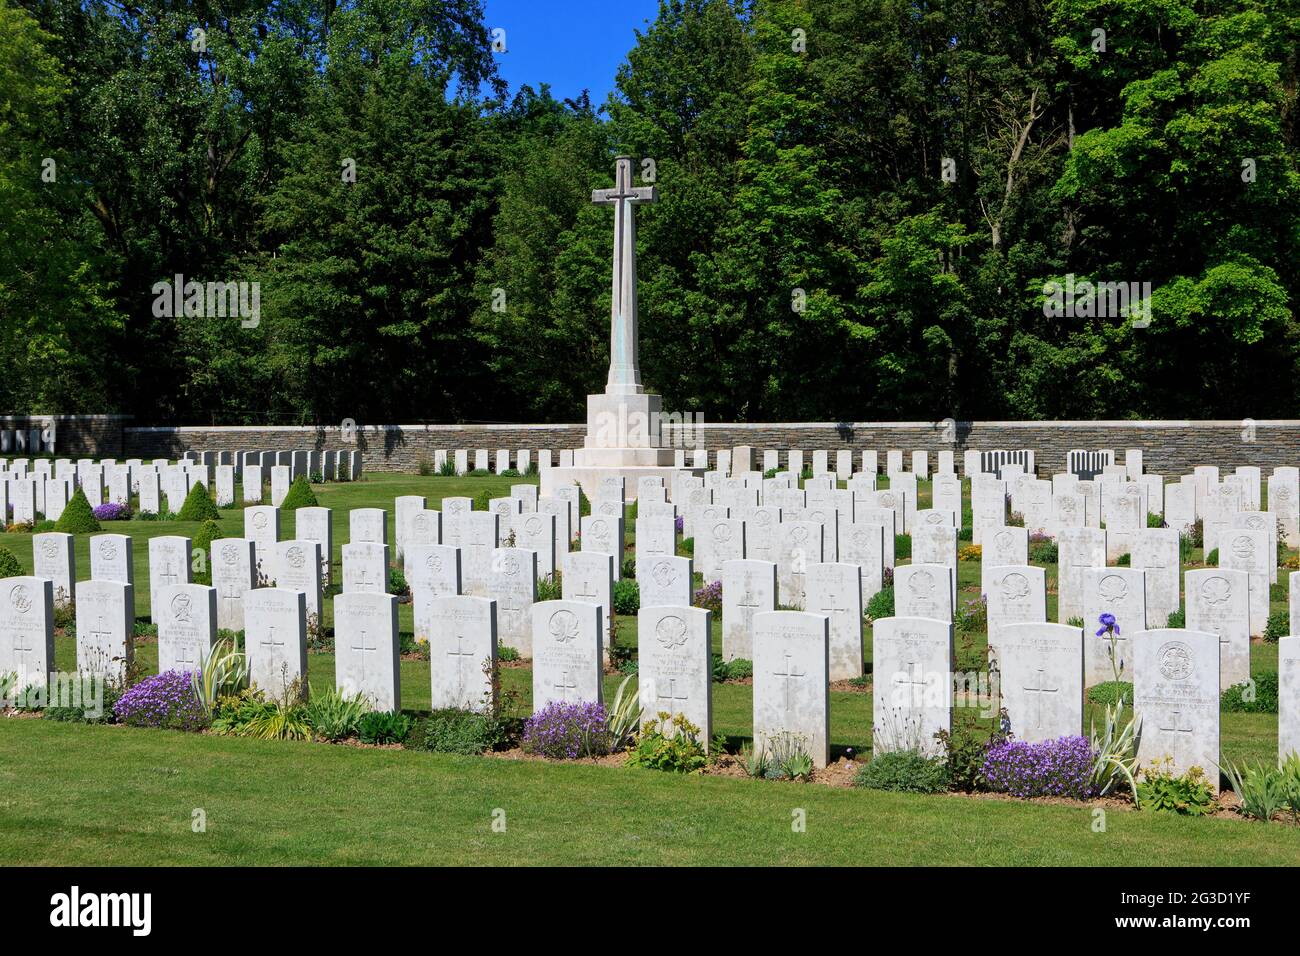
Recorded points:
(269, 641)
(1037, 697)
(459, 656)
(1175, 727)
(674, 698)
(361, 647)
(564, 685)
(624, 370)
(786, 676)
(918, 682)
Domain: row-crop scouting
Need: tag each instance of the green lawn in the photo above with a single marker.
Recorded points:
(82, 794)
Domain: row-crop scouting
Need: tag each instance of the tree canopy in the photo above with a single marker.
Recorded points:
(861, 202)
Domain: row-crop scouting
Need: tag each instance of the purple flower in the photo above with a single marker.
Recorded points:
(1052, 768)
(166, 700)
(566, 731)
(709, 597)
(111, 512)
(680, 523)
(1108, 625)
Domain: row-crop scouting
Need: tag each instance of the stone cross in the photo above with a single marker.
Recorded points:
(672, 696)
(564, 685)
(624, 370)
(460, 654)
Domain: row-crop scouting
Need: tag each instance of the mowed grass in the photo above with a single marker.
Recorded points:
(82, 795)
(86, 795)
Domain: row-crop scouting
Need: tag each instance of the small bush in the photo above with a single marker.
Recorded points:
(424, 467)
(77, 517)
(1177, 619)
(881, 604)
(1256, 696)
(1052, 768)
(628, 568)
(1108, 692)
(1278, 626)
(333, 716)
(1124, 561)
(567, 731)
(1155, 521)
(902, 546)
(904, 771)
(456, 732)
(1042, 550)
(208, 532)
(709, 597)
(448, 468)
(507, 655)
(739, 669)
(111, 511)
(669, 743)
(384, 727)
(166, 700)
(1161, 791)
(198, 505)
(298, 496)
(9, 566)
(965, 533)
(1212, 559)
(627, 596)
(551, 587)
(397, 582)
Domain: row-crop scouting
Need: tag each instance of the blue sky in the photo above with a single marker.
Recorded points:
(571, 44)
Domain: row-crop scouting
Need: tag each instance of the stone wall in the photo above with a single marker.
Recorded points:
(82, 436)
(1169, 447)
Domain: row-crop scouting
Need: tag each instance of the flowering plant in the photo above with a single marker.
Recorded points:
(679, 523)
(111, 511)
(566, 731)
(1052, 768)
(1116, 745)
(166, 700)
(709, 597)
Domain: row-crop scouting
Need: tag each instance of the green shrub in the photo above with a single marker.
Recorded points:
(1077, 621)
(397, 582)
(507, 655)
(511, 473)
(384, 727)
(1188, 795)
(904, 771)
(9, 566)
(1108, 692)
(902, 546)
(966, 533)
(1212, 559)
(198, 505)
(457, 732)
(78, 517)
(1043, 552)
(448, 468)
(551, 587)
(1124, 560)
(881, 604)
(1185, 548)
(1155, 521)
(1255, 696)
(1263, 791)
(298, 496)
(208, 532)
(739, 669)
(1278, 626)
(333, 716)
(669, 743)
(627, 596)
(1177, 619)
(686, 547)
(628, 568)
(424, 467)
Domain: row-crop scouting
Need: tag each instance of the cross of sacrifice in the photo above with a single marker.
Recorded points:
(624, 370)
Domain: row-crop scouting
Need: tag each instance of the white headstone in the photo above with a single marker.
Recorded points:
(791, 683)
(1176, 696)
(365, 567)
(366, 649)
(835, 590)
(26, 629)
(912, 683)
(105, 624)
(234, 572)
(1041, 675)
(567, 652)
(186, 616)
(1218, 603)
(512, 582)
(297, 568)
(675, 666)
(54, 558)
(262, 527)
(275, 638)
(665, 581)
